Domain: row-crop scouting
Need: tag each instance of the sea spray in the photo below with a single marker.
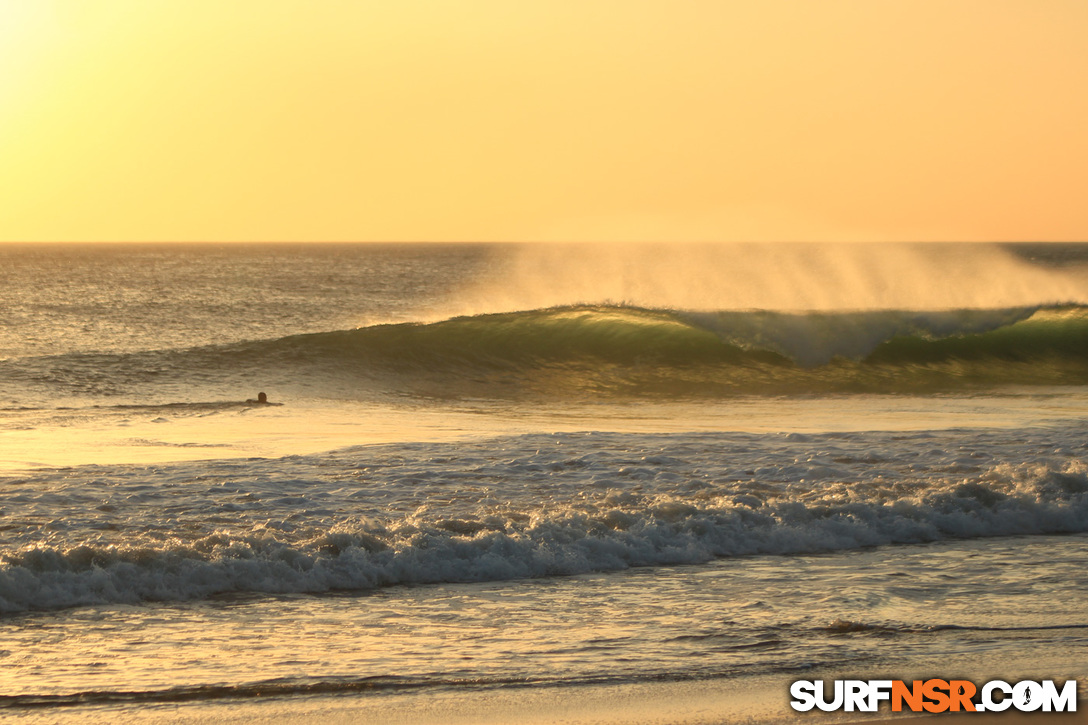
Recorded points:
(615, 351)
(782, 276)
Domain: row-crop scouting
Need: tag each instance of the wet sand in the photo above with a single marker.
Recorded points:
(752, 701)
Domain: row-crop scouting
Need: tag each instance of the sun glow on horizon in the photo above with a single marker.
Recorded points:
(491, 121)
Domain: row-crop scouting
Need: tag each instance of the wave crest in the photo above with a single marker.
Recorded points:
(622, 529)
(629, 351)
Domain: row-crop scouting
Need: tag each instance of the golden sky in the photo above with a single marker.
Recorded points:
(399, 120)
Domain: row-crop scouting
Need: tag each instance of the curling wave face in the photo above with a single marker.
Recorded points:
(622, 351)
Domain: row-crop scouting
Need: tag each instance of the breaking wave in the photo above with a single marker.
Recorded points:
(618, 530)
(617, 350)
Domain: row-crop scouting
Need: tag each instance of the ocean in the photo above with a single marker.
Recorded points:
(534, 483)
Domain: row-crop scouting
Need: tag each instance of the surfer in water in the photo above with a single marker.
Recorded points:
(262, 399)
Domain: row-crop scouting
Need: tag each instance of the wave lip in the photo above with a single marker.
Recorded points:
(625, 351)
(620, 351)
(631, 335)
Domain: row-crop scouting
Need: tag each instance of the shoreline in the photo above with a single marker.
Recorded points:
(760, 700)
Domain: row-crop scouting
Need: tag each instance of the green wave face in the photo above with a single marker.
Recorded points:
(609, 352)
(567, 335)
(623, 351)
(1048, 335)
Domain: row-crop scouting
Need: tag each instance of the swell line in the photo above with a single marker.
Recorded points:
(608, 351)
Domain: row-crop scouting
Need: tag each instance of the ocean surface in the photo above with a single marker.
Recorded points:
(493, 469)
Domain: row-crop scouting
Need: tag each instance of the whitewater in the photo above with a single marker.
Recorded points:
(658, 479)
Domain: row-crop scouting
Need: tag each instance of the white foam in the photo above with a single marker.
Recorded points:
(529, 506)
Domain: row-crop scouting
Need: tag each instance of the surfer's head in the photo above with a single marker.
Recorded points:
(262, 398)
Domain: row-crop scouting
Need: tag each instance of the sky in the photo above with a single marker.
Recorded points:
(543, 120)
